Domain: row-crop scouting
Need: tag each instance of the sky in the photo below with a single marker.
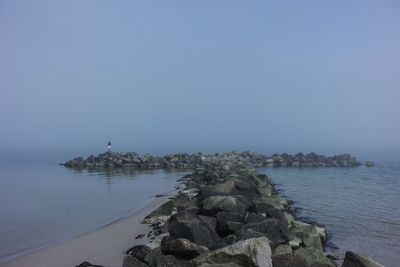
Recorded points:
(198, 75)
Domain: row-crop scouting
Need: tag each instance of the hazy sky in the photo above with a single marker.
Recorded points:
(176, 74)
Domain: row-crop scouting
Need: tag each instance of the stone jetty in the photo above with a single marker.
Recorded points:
(197, 160)
(227, 214)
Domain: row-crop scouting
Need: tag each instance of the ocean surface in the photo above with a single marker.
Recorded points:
(42, 203)
(359, 207)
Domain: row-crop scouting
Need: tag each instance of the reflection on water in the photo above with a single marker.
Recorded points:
(111, 174)
(45, 203)
(358, 206)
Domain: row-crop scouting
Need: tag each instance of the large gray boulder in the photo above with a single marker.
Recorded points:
(282, 256)
(355, 260)
(139, 255)
(254, 252)
(171, 261)
(130, 261)
(182, 247)
(229, 222)
(246, 233)
(222, 189)
(313, 257)
(76, 162)
(269, 210)
(274, 229)
(160, 214)
(310, 235)
(215, 204)
(187, 225)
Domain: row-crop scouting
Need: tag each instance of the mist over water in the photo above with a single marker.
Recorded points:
(197, 76)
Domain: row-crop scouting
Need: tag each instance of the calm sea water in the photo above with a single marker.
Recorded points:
(358, 206)
(42, 203)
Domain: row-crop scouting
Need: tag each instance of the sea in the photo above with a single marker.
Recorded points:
(43, 203)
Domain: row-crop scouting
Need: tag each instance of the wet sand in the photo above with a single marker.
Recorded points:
(104, 246)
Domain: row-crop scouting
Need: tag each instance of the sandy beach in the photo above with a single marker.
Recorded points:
(104, 246)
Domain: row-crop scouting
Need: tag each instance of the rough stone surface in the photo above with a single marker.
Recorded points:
(355, 260)
(141, 253)
(130, 261)
(251, 252)
(182, 247)
(189, 226)
(274, 229)
(313, 257)
(282, 256)
(214, 204)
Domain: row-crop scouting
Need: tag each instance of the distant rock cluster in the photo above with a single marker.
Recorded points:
(198, 160)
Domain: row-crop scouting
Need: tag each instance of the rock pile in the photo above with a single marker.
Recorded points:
(229, 217)
(199, 160)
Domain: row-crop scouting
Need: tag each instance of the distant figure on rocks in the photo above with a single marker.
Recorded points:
(109, 146)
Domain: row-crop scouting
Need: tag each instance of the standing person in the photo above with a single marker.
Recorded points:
(109, 146)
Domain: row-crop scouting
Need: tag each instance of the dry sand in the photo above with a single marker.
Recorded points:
(104, 246)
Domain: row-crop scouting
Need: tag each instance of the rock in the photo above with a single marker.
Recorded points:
(130, 261)
(355, 260)
(220, 189)
(202, 163)
(322, 233)
(269, 162)
(229, 228)
(156, 241)
(370, 163)
(282, 256)
(188, 225)
(75, 163)
(248, 187)
(313, 257)
(224, 217)
(88, 264)
(295, 242)
(183, 201)
(229, 223)
(273, 201)
(162, 213)
(209, 220)
(274, 229)
(251, 252)
(309, 234)
(269, 210)
(140, 255)
(229, 264)
(171, 261)
(289, 219)
(215, 204)
(182, 247)
(190, 193)
(256, 218)
(246, 233)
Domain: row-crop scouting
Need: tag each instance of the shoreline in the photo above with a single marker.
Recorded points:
(224, 206)
(104, 245)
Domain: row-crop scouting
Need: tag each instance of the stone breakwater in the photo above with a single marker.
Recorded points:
(226, 214)
(197, 160)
